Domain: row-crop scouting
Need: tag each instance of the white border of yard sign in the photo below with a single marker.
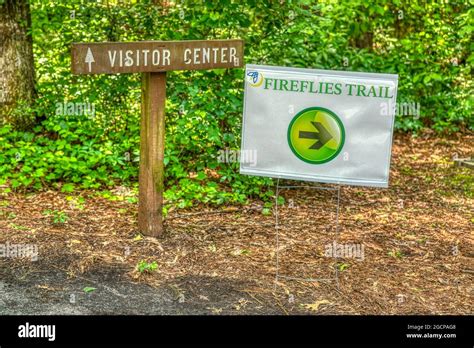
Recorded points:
(365, 133)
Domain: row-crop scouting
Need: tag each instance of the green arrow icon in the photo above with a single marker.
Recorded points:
(316, 135)
(322, 136)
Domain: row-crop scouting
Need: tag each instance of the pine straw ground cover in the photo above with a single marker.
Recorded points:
(417, 238)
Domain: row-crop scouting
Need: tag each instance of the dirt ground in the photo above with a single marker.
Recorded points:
(413, 248)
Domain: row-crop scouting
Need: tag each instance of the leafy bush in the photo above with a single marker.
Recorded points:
(428, 45)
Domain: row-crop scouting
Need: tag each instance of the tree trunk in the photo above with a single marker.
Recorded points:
(17, 77)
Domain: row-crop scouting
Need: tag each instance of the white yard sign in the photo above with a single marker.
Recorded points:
(319, 125)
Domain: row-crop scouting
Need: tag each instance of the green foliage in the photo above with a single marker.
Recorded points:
(428, 45)
(463, 181)
(395, 254)
(342, 266)
(18, 227)
(76, 202)
(146, 267)
(58, 217)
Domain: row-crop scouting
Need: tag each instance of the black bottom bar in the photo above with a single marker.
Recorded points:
(225, 330)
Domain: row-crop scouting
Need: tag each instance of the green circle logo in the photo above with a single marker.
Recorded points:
(316, 135)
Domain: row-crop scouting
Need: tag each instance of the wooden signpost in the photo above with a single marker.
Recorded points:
(153, 59)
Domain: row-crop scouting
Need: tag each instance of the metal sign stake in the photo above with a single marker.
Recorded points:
(277, 238)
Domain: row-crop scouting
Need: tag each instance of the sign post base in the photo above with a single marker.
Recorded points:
(152, 146)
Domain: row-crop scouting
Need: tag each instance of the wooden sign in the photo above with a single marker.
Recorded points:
(155, 56)
(153, 59)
